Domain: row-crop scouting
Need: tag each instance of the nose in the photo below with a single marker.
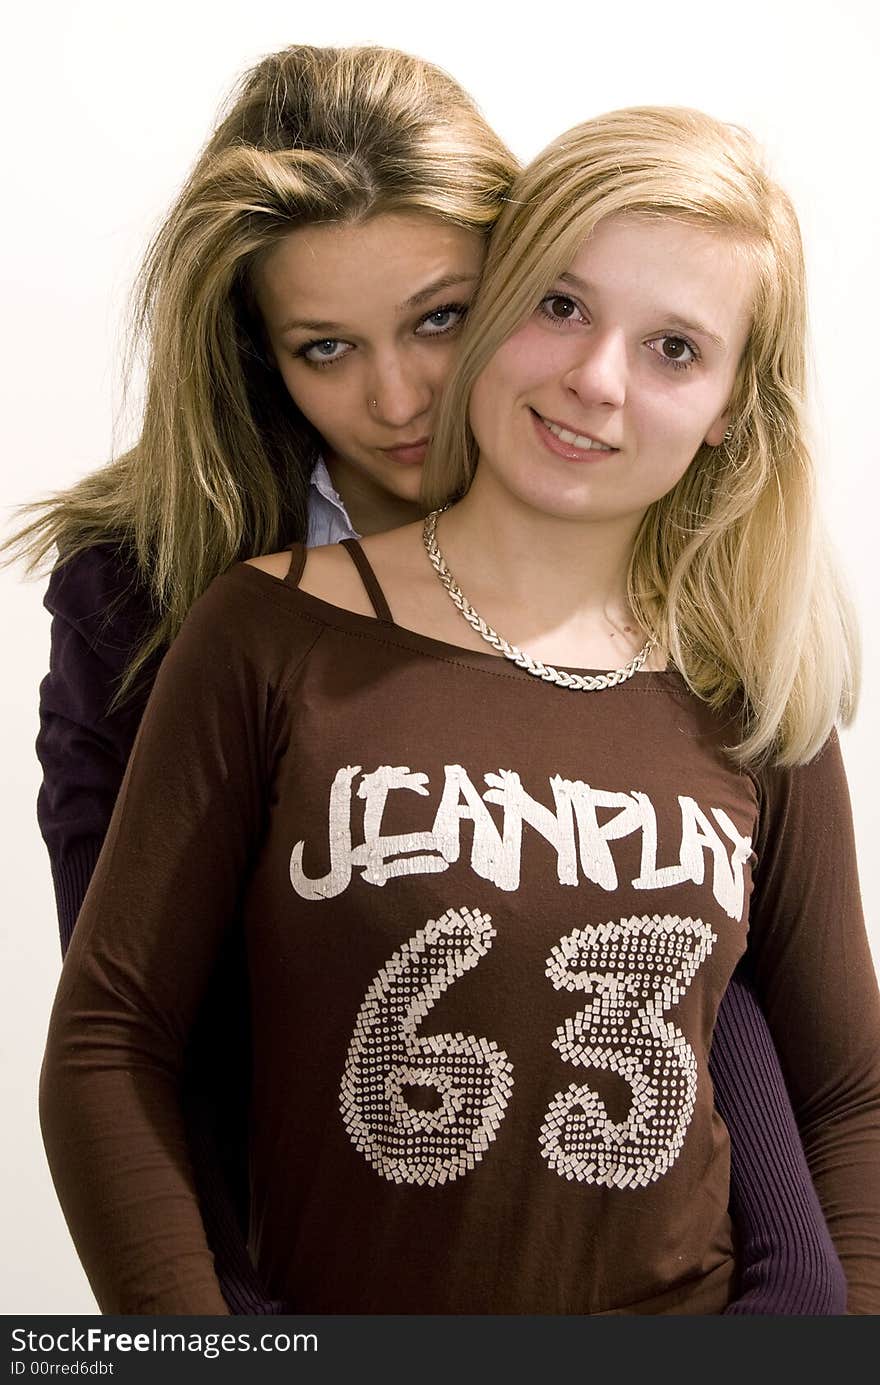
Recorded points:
(598, 374)
(401, 392)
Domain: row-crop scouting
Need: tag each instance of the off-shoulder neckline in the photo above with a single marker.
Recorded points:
(354, 622)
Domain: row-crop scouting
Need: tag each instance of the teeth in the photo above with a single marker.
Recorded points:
(574, 439)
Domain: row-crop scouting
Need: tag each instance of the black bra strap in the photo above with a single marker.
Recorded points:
(297, 563)
(370, 581)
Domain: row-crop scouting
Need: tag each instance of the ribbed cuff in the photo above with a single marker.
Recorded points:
(71, 880)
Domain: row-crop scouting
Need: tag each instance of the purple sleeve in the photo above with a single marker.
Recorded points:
(788, 1265)
(100, 612)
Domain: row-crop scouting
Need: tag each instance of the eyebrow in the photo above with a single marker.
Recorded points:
(446, 281)
(671, 319)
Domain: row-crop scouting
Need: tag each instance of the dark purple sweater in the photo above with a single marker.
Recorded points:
(787, 1262)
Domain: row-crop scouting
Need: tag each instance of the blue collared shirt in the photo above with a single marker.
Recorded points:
(327, 515)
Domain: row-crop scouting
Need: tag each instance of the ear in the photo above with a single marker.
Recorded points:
(715, 434)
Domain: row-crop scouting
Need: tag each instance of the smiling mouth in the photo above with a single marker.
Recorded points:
(582, 441)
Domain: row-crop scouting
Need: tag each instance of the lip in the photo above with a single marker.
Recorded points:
(567, 449)
(408, 453)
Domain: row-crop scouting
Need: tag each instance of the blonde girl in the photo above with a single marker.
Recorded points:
(370, 373)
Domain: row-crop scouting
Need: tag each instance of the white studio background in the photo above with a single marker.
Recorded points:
(104, 108)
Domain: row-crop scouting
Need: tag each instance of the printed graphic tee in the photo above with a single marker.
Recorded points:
(488, 925)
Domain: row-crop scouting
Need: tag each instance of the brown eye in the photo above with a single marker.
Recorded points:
(673, 351)
(674, 348)
(561, 307)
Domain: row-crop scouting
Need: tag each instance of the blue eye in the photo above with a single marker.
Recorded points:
(324, 352)
(442, 320)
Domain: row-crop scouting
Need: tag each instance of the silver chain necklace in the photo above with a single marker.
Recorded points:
(579, 682)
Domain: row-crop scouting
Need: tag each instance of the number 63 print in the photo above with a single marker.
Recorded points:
(631, 971)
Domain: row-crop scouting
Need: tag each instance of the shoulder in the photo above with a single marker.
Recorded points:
(276, 565)
(102, 593)
(805, 804)
(823, 773)
(239, 645)
(328, 572)
(100, 572)
(248, 617)
(331, 575)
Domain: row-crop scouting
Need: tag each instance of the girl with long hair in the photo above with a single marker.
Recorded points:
(254, 325)
(254, 434)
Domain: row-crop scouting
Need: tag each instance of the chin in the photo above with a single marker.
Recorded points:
(406, 485)
(557, 502)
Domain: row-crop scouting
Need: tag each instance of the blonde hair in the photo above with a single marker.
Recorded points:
(221, 467)
(730, 571)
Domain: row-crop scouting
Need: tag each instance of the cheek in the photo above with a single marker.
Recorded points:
(679, 415)
(540, 357)
(297, 384)
(437, 363)
(497, 381)
(483, 410)
(668, 443)
(321, 400)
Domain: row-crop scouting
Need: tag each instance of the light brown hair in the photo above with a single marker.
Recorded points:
(220, 470)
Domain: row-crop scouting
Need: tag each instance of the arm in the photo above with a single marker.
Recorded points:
(164, 897)
(816, 982)
(100, 611)
(787, 1261)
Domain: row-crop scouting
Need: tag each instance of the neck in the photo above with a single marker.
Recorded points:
(370, 508)
(563, 569)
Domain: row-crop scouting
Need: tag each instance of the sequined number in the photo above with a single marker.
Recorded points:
(633, 970)
(464, 1082)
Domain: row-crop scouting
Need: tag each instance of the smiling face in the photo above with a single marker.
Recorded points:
(595, 407)
(364, 312)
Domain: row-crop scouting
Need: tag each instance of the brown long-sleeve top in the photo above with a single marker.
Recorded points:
(488, 925)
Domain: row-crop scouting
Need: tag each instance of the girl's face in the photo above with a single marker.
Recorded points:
(365, 312)
(595, 407)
